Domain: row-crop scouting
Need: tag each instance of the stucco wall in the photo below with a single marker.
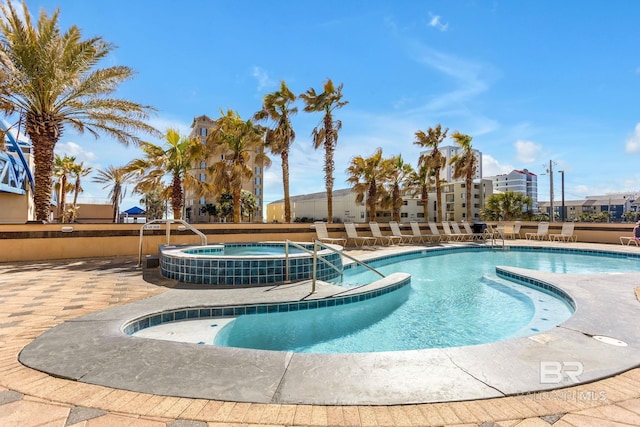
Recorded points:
(27, 242)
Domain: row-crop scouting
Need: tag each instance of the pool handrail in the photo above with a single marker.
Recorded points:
(168, 222)
(317, 243)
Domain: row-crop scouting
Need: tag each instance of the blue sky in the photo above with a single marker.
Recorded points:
(530, 81)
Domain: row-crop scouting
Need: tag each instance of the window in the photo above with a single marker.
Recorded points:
(203, 131)
(361, 215)
(258, 180)
(203, 165)
(405, 203)
(257, 170)
(420, 214)
(257, 191)
(404, 215)
(202, 201)
(202, 177)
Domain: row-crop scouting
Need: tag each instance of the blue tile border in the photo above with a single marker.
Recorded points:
(187, 313)
(537, 284)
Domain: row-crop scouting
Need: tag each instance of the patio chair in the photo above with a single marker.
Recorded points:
(383, 238)
(566, 235)
(516, 229)
(323, 235)
(508, 231)
(352, 235)
(490, 232)
(541, 234)
(435, 232)
(419, 236)
(451, 235)
(404, 238)
(473, 235)
(457, 231)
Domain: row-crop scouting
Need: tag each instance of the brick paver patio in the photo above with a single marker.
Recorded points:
(36, 296)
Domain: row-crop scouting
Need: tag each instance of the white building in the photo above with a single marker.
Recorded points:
(518, 181)
(450, 151)
(310, 207)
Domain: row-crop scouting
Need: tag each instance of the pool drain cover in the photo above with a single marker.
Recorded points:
(609, 340)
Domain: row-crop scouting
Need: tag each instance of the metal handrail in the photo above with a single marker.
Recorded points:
(317, 243)
(168, 222)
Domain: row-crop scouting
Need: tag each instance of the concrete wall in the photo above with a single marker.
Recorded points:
(30, 242)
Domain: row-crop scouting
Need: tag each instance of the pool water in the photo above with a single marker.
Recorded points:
(454, 299)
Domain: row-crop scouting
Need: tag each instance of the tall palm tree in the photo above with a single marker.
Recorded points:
(327, 133)
(421, 181)
(276, 107)
(234, 142)
(434, 159)
(114, 178)
(176, 158)
(465, 165)
(367, 177)
(77, 171)
(52, 81)
(62, 168)
(397, 180)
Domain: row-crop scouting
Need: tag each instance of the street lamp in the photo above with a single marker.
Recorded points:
(562, 180)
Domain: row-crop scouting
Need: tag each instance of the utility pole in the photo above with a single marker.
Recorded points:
(551, 213)
(562, 215)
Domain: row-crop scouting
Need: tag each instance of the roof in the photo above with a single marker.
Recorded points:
(134, 211)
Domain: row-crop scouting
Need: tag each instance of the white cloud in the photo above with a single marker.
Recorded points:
(491, 166)
(263, 78)
(437, 23)
(633, 142)
(527, 152)
(74, 150)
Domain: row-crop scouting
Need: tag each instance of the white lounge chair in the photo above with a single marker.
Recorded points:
(457, 231)
(352, 235)
(419, 236)
(323, 234)
(451, 235)
(566, 235)
(541, 234)
(395, 230)
(435, 232)
(470, 232)
(389, 240)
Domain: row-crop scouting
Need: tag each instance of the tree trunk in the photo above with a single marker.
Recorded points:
(176, 196)
(438, 196)
(425, 202)
(237, 203)
(285, 184)
(44, 132)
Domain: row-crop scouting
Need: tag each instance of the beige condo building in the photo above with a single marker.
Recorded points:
(310, 207)
(200, 128)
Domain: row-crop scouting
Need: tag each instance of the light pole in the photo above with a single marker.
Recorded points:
(562, 183)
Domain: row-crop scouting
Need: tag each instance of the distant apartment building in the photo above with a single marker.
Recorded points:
(310, 207)
(518, 181)
(200, 128)
(617, 204)
(450, 151)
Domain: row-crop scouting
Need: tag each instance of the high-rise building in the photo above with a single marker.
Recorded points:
(518, 181)
(450, 151)
(201, 128)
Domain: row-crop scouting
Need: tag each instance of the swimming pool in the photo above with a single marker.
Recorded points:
(455, 299)
(247, 264)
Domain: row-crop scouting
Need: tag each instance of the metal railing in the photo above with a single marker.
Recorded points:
(314, 253)
(168, 222)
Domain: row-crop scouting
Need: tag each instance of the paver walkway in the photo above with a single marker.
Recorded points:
(36, 296)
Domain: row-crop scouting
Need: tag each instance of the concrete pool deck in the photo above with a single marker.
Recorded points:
(38, 296)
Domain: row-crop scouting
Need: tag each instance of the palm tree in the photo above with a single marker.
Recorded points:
(77, 171)
(367, 176)
(52, 82)
(234, 142)
(398, 178)
(465, 165)
(505, 206)
(421, 181)
(326, 134)
(62, 168)
(176, 160)
(276, 107)
(434, 159)
(114, 178)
